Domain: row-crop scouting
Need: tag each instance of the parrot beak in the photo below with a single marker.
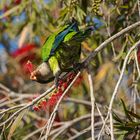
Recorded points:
(33, 75)
(42, 74)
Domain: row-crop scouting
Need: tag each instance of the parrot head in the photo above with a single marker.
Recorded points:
(42, 73)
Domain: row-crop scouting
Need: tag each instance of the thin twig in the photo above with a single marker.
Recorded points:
(109, 34)
(28, 105)
(10, 101)
(139, 6)
(67, 125)
(108, 130)
(12, 108)
(109, 40)
(79, 101)
(137, 64)
(85, 131)
(81, 133)
(92, 104)
(116, 89)
(40, 129)
(111, 126)
(53, 114)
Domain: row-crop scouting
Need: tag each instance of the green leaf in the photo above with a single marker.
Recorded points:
(126, 111)
(131, 39)
(115, 116)
(126, 128)
(15, 124)
(46, 49)
(69, 36)
(133, 114)
(133, 124)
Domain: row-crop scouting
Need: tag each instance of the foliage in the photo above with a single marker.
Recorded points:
(24, 27)
(130, 125)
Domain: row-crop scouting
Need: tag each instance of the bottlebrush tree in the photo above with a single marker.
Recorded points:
(99, 100)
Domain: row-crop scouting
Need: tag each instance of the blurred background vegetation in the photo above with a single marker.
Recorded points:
(24, 26)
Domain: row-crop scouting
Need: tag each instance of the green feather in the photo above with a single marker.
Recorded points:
(69, 36)
(53, 42)
(47, 47)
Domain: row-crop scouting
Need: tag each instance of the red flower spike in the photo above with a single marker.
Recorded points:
(138, 54)
(36, 108)
(54, 98)
(29, 66)
(51, 101)
(59, 95)
(43, 104)
(59, 90)
(78, 81)
(40, 106)
(65, 85)
(17, 2)
(71, 76)
(60, 83)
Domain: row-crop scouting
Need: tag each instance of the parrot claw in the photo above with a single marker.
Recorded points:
(77, 66)
(56, 82)
(56, 79)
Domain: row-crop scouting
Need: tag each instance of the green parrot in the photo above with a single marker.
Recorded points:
(60, 53)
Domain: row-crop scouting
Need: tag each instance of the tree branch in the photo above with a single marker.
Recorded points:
(116, 89)
(92, 104)
(109, 40)
(28, 105)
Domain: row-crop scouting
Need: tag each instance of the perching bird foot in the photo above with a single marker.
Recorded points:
(77, 67)
(56, 79)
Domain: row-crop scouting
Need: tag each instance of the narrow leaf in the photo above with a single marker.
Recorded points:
(126, 111)
(115, 116)
(134, 115)
(15, 124)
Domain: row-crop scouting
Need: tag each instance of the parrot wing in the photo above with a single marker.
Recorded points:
(78, 37)
(54, 40)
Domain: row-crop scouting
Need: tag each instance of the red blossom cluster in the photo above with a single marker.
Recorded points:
(17, 2)
(138, 54)
(78, 81)
(25, 49)
(54, 97)
(23, 55)
(29, 66)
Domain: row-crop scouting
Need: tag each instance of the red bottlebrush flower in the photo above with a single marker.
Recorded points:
(17, 2)
(25, 49)
(39, 106)
(60, 83)
(59, 95)
(71, 76)
(59, 91)
(5, 8)
(138, 54)
(65, 85)
(78, 81)
(36, 108)
(24, 54)
(29, 66)
(54, 98)
(43, 104)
